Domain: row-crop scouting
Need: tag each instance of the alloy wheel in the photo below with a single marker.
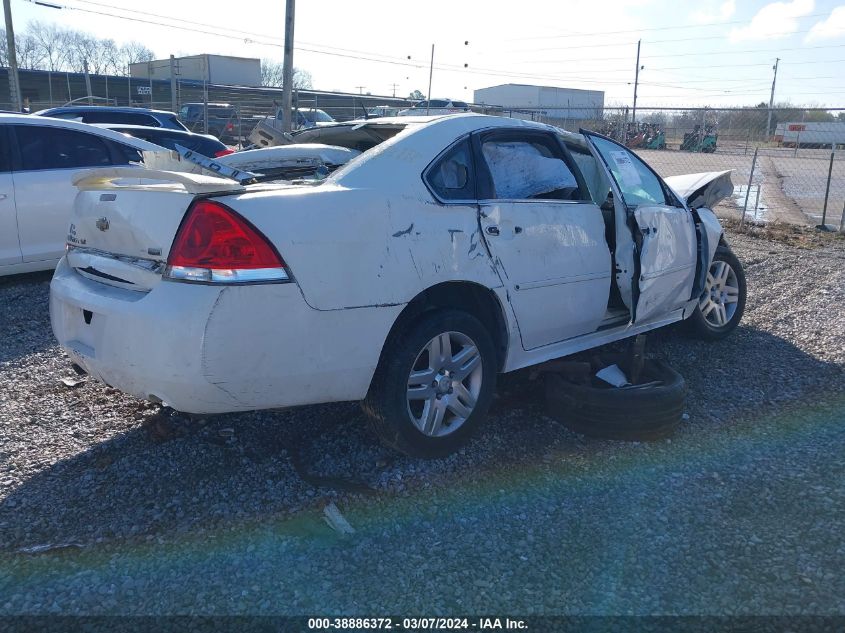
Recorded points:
(718, 302)
(444, 384)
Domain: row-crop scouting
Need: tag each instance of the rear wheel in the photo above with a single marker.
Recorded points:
(722, 303)
(433, 385)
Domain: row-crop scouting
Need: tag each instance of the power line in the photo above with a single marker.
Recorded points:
(377, 58)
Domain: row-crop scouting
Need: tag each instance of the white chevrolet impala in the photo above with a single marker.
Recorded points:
(448, 250)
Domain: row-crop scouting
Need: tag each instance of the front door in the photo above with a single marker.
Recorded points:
(546, 236)
(665, 237)
(48, 158)
(10, 248)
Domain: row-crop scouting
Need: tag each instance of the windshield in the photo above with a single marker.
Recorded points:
(316, 116)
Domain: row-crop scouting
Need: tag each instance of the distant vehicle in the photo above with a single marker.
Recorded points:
(38, 158)
(383, 110)
(110, 114)
(816, 134)
(224, 120)
(435, 107)
(306, 117)
(699, 140)
(204, 144)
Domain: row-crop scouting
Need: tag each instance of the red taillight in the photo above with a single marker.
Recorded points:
(223, 152)
(230, 127)
(215, 244)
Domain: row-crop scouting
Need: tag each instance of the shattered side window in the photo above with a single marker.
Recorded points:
(593, 173)
(638, 184)
(521, 170)
(452, 177)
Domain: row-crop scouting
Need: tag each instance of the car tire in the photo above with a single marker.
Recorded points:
(722, 303)
(632, 413)
(420, 401)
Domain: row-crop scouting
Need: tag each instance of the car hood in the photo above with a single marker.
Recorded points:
(702, 190)
(285, 155)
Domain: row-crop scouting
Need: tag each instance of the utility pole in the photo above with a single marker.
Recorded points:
(87, 82)
(636, 83)
(360, 89)
(394, 86)
(772, 98)
(287, 67)
(14, 81)
(430, 74)
(174, 103)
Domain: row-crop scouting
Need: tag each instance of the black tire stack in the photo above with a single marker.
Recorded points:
(650, 410)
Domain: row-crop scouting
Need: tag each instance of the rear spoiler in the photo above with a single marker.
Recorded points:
(116, 178)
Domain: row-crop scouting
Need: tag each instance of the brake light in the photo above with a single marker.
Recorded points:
(216, 245)
(223, 152)
(229, 127)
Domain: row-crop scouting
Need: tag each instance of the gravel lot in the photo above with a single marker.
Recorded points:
(110, 506)
(792, 187)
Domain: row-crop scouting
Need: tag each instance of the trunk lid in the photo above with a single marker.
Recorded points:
(125, 219)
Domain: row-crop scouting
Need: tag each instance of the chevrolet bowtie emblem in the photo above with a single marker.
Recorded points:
(102, 224)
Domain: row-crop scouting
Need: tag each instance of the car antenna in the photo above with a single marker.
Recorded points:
(366, 114)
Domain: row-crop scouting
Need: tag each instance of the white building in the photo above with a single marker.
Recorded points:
(548, 101)
(216, 69)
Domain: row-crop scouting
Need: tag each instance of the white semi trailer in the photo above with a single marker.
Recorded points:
(815, 134)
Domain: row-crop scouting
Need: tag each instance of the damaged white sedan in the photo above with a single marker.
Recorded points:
(449, 250)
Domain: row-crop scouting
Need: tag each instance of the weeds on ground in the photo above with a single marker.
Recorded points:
(790, 234)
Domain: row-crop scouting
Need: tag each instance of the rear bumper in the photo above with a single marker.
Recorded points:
(207, 349)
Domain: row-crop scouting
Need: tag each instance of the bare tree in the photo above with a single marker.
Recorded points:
(52, 43)
(135, 53)
(302, 79)
(272, 75)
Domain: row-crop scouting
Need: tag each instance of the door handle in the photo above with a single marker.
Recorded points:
(492, 230)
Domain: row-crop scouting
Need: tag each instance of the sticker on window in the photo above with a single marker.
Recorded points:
(626, 170)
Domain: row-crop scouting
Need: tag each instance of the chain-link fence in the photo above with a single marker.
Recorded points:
(797, 154)
(788, 163)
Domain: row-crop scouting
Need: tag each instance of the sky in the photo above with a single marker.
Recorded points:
(707, 52)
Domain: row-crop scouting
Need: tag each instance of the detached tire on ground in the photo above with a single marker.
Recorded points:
(433, 385)
(632, 413)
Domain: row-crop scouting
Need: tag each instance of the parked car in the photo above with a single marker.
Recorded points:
(383, 111)
(205, 144)
(307, 117)
(38, 157)
(435, 107)
(223, 120)
(460, 247)
(116, 115)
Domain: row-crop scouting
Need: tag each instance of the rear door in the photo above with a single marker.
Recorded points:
(45, 160)
(546, 236)
(666, 249)
(10, 248)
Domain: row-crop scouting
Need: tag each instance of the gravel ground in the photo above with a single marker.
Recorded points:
(110, 506)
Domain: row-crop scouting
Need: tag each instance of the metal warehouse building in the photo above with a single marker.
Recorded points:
(215, 69)
(549, 101)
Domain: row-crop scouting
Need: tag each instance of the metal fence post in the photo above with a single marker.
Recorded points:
(827, 190)
(842, 220)
(748, 188)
